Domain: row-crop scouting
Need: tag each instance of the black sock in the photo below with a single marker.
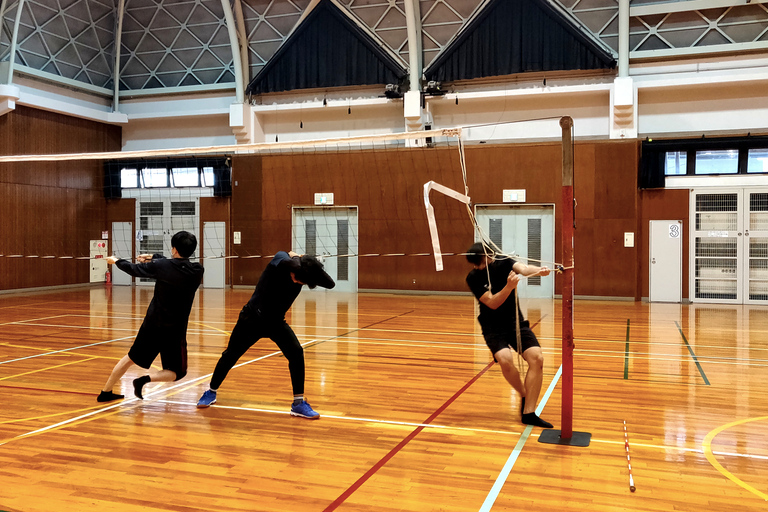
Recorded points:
(138, 384)
(108, 396)
(532, 419)
(522, 405)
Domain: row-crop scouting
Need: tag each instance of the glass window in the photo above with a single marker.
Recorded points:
(154, 178)
(719, 161)
(757, 160)
(675, 163)
(207, 176)
(129, 178)
(185, 177)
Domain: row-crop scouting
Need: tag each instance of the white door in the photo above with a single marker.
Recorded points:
(329, 232)
(214, 250)
(527, 232)
(159, 218)
(666, 261)
(756, 250)
(716, 246)
(122, 237)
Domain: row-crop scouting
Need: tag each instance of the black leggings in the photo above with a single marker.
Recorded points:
(249, 329)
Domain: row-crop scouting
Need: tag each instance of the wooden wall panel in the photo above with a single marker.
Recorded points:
(51, 208)
(387, 187)
(247, 207)
(662, 204)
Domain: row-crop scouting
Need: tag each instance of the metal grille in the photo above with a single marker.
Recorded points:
(534, 247)
(151, 208)
(342, 269)
(717, 202)
(717, 212)
(709, 248)
(494, 232)
(758, 212)
(183, 208)
(758, 268)
(310, 243)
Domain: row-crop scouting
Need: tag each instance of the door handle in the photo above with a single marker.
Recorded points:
(653, 261)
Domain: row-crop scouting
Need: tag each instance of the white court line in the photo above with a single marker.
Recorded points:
(502, 478)
(22, 322)
(66, 350)
(349, 418)
(132, 400)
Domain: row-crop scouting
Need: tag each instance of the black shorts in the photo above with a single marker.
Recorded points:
(152, 341)
(507, 339)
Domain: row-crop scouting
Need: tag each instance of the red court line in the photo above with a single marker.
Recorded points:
(368, 474)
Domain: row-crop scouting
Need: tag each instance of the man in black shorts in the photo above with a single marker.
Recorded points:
(493, 282)
(164, 330)
(264, 317)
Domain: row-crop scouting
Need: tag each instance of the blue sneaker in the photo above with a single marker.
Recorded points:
(304, 410)
(208, 398)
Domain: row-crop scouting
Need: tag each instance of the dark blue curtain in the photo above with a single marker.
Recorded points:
(327, 50)
(517, 36)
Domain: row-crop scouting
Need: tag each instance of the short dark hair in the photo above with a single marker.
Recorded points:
(312, 274)
(185, 243)
(477, 253)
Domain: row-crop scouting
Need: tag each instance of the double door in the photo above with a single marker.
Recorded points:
(330, 233)
(527, 232)
(729, 246)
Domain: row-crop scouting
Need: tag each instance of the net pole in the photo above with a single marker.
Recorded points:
(566, 124)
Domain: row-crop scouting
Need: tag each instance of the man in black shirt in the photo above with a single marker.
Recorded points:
(264, 317)
(164, 330)
(494, 283)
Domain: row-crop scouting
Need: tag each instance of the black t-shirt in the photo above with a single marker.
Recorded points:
(276, 291)
(501, 319)
(177, 280)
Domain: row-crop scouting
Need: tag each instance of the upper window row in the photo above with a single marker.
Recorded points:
(167, 177)
(716, 161)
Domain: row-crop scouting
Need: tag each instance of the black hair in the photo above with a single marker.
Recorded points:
(185, 243)
(312, 274)
(477, 253)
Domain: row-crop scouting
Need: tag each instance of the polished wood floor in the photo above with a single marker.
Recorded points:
(415, 416)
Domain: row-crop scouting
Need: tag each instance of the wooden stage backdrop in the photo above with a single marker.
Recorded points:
(415, 416)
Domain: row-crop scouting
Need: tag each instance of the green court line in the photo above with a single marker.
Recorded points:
(701, 370)
(626, 354)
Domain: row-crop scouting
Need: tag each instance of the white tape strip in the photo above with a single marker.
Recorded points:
(428, 186)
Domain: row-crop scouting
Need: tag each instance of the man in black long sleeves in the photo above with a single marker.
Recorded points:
(264, 317)
(164, 330)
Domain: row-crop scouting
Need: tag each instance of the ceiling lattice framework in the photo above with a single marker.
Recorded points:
(182, 43)
(72, 39)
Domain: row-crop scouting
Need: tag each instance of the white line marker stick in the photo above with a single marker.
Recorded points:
(629, 462)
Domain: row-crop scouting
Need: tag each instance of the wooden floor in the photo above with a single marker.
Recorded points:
(415, 416)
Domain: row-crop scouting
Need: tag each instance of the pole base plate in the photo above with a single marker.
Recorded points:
(552, 436)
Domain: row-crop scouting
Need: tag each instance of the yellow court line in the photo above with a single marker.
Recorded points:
(48, 368)
(56, 350)
(706, 444)
(20, 420)
(212, 327)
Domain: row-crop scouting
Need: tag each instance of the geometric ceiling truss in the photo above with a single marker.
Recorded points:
(699, 28)
(441, 20)
(676, 28)
(72, 39)
(267, 25)
(169, 45)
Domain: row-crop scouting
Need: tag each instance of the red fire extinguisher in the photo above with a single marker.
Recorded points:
(109, 277)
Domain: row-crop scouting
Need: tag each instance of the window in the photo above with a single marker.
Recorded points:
(185, 177)
(675, 163)
(207, 176)
(154, 178)
(757, 160)
(129, 178)
(720, 161)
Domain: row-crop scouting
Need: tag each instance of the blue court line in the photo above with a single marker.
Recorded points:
(502, 478)
(701, 370)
